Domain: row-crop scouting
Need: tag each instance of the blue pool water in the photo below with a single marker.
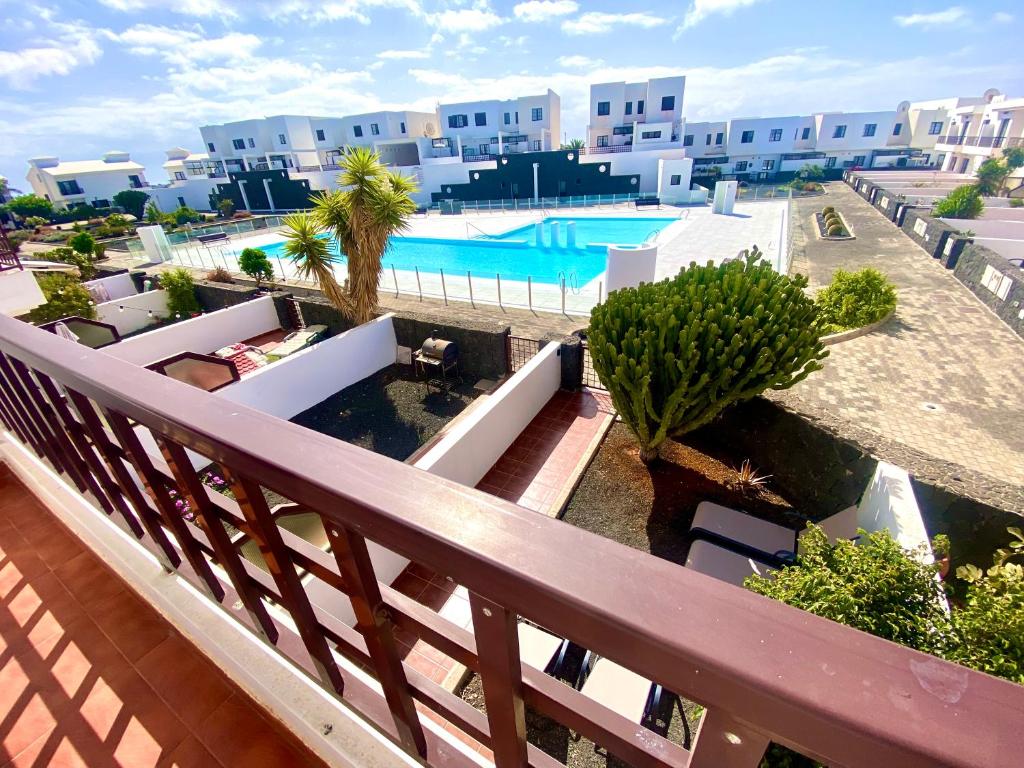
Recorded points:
(513, 254)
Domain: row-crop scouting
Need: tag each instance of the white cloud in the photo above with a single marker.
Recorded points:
(948, 16)
(202, 8)
(544, 10)
(67, 46)
(394, 54)
(579, 62)
(1002, 17)
(701, 9)
(597, 23)
(185, 46)
(476, 19)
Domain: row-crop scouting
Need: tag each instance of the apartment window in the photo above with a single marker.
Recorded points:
(238, 143)
(537, 114)
(357, 131)
(508, 118)
(650, 135)
(747, 137)
(536, 145)
(640, 107)
(320, 135)
(629, 107)
(707, 140)
(839, 132)
(282, 139)
(252, 144)
(604, 108)
(134, 181)
(517, 116)
(485, 149)
(897, 129)
(179, 175)
(675, 180)
(805, 134)
(741, 166)
(775, 135)
(602, 141)
(830, 162)
(668, 103)
(401, 127)
(458, 121)
(869, 129)
(479, 118)
(375, 129)
(719, 137)
(209, 146)
(935, 128)
(859, 160)
(767, 165)
(69, 187)
(688, 140)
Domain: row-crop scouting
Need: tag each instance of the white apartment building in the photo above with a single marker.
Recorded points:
(981, 130)
(647, 115)
(192, 178)
(396, 136)
(84, 182)
(497, 127)
(282, 141)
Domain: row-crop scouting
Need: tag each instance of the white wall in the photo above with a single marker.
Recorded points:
(889, 503)
(627, 267)
(194, 191)
(136, 309)
(118, 286)
(297, 382)
(201, 334)
(477, 441)
(19, 292)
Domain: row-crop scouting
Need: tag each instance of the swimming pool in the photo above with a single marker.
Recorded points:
(514, 254)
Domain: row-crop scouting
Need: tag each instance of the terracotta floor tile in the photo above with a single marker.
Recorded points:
(89, 580)
(54, 545)
(190, 754)
(75, 657)
(131, 625)
(53, 750)
(236, 734)
(22, 726)
(185, 680)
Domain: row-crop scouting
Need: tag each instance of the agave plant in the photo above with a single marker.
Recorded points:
(374, 204)
(748, 479)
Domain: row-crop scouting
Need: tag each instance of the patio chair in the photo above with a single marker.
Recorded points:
(619, 689)
(541, 650)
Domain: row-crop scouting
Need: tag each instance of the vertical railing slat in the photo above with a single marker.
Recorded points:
(723, 742)
(249, 496)
(497, 642)
(13, 393)
(209, 520)
(374, 621)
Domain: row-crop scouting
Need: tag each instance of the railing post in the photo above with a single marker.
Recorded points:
(444, 288)
(419, 286)
(722, 742)
(394, 276)
(498, 276)
(469, 279)
(497, 643)
(374, 622)
(529, 291)
(563, 295)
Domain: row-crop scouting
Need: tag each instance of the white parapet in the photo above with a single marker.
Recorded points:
(628, 266)
(725, 197)
(19, 292)
(154, 240)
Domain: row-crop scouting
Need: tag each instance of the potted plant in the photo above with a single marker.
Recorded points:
(940, 548)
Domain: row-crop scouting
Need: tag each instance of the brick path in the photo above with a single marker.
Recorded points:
(944, 376)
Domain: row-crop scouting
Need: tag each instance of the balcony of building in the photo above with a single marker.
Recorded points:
(307, 629)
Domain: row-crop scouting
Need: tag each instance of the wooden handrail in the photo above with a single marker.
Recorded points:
(829, 691)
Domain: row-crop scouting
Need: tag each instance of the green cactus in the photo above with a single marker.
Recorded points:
(676, 353)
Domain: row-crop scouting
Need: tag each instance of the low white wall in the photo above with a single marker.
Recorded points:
(136, 311)
(469, 450)
(628, 267)
(300, 381)
(19, 292)
(888, 503)
(200, 334)
(118, 286)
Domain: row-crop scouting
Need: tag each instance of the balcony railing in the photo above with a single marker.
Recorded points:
(764, 671)
(998, 142)
(8, 258)
(606, 150)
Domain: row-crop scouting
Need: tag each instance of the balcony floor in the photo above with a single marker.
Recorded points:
(92, 676)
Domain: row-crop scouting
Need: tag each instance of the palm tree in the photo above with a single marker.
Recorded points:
(574, 144)
(374, 205)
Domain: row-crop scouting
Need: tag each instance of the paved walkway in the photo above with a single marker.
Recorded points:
(943, 377)
(90, 675)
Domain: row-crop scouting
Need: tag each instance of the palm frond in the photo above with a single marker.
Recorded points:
(310, 252)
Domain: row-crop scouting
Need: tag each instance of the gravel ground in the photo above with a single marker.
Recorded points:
(390, 412)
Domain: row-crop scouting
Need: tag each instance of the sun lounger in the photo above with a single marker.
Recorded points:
(541, 650)
(621, 690)
(297, 340)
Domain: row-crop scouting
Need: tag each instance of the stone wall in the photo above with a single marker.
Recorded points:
(927, 232)
(970, 270)
(213, 296)
(482, 343)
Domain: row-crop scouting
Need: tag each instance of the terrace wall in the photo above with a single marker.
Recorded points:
(118, 285)
(135, 316)
(200, 334)
(480, 438)
(301, 380)
(213, 296)
(970, 268)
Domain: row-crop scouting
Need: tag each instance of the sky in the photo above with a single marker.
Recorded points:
(80, 78)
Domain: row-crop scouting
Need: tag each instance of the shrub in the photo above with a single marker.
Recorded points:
(835, 229)
(219, 275)
(1016, 202)
(854, 299)
(30, 205)
(133, 201)
(872, 586)
(254, 263)
(84, 262)
(676, 353)
(964, 202)
(17, 237)
(811, 171)
(226, 207)
(65, 297)
(153, 215)
(184, 215)
(990, 621)
(36, 221)
(181, 293)
(827, 210)
(82, 243)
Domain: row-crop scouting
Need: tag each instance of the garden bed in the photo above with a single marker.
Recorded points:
(390, 412)
(823, 228)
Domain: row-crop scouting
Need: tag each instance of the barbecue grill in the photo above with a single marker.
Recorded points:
(438, 358)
